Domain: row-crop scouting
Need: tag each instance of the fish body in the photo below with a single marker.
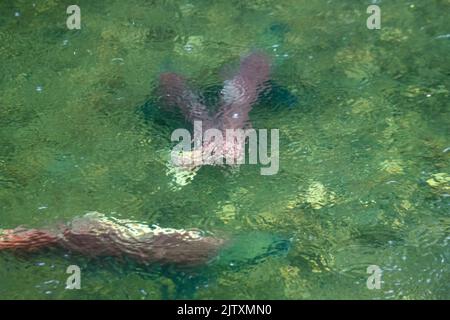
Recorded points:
(95, 235)
(238, 95)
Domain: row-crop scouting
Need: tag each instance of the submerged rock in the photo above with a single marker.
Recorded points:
(440, 181)
(316, 196)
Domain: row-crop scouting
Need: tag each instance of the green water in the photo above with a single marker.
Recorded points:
(364, 135)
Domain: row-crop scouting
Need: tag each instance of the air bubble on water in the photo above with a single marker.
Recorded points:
(443, 36)
(118, 60)
(143, 292)
(188, 47)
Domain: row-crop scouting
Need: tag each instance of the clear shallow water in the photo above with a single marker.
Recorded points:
(363, 118)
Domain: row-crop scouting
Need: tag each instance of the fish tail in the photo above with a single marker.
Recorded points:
(26, 239)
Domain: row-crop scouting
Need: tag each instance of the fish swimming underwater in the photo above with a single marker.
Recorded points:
(238, 95)
(95, 235)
